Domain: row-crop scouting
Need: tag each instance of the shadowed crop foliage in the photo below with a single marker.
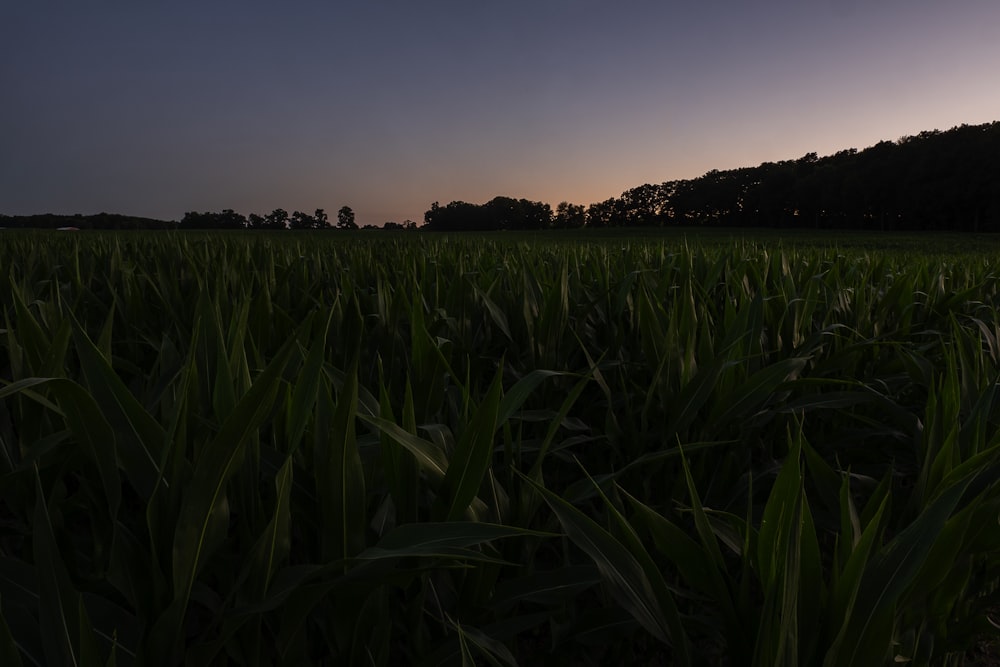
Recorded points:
(419, 449)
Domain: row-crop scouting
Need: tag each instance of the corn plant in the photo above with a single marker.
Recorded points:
(384, 449)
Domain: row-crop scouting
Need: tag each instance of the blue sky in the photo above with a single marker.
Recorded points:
(155, 109)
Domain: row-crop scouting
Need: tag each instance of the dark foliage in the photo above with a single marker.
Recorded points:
(932, 181)
(500, 213)
(227, 219)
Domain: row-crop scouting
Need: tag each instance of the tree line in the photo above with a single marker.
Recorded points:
(931, 181)
(279, 218)
(934, 180)
(227, 219)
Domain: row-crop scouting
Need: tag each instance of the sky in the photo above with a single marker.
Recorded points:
(157, 108)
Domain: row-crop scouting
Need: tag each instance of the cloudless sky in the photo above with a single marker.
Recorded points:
(157, 108)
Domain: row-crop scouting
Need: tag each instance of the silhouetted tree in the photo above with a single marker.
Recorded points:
(230, 219)
(500, 213)
(345, 218)
(603, 214)
(300, 220)
(227, 219)
(569, 216)
(320, 221)
(456, 216)
(276, 219)
(639, 206)
(516, 214)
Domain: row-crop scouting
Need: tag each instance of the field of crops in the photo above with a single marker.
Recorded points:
(392, 449)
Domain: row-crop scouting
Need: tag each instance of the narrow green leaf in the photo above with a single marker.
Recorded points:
(340, 479)
(472, 454)
(493, 651)
(140, 438)
(32, 337)
(752, 395)
(274, 544)
(89, 654)
(864, 639)
(515, 397)
(216, 372)
(695, 395)
(685, 553)
(496, 313)
(84, 419)
(716, 567)
(307, 387)
(432, 537)
(55, 358)
(399, 465)
(58, 601)
(428, 455)
(780, 513)
(622, 572)
(630, 539)
(546, 587)
(702, 525)
(550, 434)
(216, 464)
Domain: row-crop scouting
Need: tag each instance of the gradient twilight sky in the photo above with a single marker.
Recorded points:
(154, 109)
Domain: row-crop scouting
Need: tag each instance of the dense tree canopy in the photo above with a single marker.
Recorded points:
(345, 218)
(227, 219)
(934, 180)
(500, 213)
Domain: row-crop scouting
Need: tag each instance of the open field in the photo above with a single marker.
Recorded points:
(596, 448)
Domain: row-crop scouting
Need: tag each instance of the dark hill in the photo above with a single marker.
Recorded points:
(98, 221)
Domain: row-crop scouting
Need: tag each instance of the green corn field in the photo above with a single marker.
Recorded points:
(386, 449)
